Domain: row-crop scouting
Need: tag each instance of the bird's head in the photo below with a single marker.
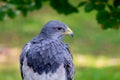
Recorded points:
(56, 29)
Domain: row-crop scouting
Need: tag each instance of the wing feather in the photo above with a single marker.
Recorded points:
(69, 66)
(25, 50)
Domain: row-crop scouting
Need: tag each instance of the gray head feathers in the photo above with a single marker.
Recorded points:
(55, 30)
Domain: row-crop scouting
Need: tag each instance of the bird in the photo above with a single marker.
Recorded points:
(46, 56)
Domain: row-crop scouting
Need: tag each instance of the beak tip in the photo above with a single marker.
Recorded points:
(72, 35)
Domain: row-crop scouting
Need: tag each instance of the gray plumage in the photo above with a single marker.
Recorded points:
(46, 57)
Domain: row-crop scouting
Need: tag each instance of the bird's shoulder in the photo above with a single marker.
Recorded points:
(41, 55)
(46, 49)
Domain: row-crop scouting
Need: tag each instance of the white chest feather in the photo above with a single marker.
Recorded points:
(29, 74)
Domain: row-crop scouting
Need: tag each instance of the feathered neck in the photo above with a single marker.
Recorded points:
(43, 35)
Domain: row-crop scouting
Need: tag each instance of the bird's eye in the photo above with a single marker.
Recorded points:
(59, 28)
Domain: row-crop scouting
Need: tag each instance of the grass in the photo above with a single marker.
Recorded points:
(9, 74)
(89, 39)
(107, 73)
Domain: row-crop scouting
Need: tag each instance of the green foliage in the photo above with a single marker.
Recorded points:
(63, 6)
(2, 15)
(109, 9)
(107, 14)
(11, 13)
(89, 7)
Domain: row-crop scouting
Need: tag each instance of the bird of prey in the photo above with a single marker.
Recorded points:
(46, 57)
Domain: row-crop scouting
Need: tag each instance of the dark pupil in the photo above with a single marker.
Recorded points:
(59, 28)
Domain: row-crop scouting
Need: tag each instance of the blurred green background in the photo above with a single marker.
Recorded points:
(95, 51)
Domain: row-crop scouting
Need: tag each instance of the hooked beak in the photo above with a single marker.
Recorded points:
(68, 32)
